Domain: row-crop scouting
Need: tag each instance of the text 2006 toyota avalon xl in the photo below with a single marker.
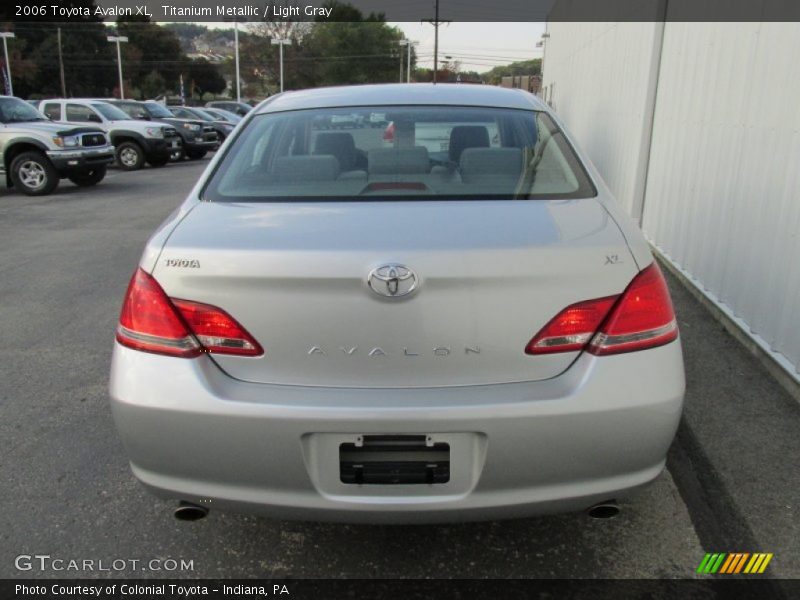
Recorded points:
(442, 317)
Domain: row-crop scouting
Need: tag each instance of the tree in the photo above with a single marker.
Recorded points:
(89, 61)
(150, 47)
(523, 67)
(152, 85)
(356, 51)
(205, 78)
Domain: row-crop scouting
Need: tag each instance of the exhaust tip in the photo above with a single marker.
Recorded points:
(187, 511)
(603, 510)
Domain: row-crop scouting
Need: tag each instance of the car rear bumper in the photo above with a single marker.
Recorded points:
(598, 431)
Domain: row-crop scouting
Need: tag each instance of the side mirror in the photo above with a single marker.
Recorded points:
(143, 117)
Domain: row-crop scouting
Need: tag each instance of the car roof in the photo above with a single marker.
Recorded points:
(402, 94)
(77, 100)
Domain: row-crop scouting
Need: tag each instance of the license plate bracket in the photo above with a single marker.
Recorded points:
(394, 460)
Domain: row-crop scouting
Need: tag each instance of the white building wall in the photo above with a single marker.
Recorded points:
(598, 77)
(722, 196)
(723, 189)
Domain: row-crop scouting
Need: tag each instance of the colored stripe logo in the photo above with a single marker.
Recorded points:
(732, 563)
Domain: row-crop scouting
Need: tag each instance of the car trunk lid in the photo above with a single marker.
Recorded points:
(489, 276)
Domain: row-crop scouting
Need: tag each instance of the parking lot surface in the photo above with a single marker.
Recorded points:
(65, 259)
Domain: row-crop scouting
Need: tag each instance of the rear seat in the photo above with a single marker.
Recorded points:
(398, 161)
(300, 169)
(490, 164)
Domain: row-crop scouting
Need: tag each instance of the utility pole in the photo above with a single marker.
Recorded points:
(436, 21)
(61, 66)
(5, 35)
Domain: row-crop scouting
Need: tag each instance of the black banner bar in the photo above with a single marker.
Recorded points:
(408, 589)
(404, 10)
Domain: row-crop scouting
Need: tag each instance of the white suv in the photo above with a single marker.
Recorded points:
(134, 141)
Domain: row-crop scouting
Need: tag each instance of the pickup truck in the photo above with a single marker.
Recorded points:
(134, 141)
(198, 137)
(35, 153)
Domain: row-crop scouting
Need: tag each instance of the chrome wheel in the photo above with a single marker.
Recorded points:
(129, 157)
(32, 175)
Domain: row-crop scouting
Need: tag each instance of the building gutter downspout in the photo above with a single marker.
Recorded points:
(643, 168)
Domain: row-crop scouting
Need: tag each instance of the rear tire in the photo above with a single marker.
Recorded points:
(130, 156)
(88, 178)
(33, 174)
(196, 154)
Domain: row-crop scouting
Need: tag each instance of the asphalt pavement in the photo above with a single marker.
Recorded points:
(732, 482)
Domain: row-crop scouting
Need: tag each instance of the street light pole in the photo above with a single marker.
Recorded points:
(403, 43)
(408, 69)
(5, 35)
(281, 42)
(236, 40)
(118, 39)
(545, 38)
(409, 44)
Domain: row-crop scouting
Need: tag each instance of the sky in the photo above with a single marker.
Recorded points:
(478, 46)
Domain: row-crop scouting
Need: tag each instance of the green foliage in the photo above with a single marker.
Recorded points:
(523, 67)
(152, 85)
(150, 47)
(354, 52)
(205, 77)
(89, 66)
(352, 49)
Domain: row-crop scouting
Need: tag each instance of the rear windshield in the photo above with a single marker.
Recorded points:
(415, 153)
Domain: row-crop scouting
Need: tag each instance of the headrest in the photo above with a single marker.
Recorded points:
(467, 136)
(340, 145)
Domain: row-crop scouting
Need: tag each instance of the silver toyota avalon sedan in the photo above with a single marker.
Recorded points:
(397, 303)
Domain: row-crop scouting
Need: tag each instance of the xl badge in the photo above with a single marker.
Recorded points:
(392, 281)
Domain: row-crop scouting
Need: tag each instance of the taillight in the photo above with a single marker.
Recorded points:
(572, 328)
(151, 322)
(642, 317)
(216, 330)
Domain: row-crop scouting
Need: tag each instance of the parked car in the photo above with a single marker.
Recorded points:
(197, 137)
(134, 141)
(238, 108)
(36, 153)
(431, 335)
(223, 115)
(223, 128)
